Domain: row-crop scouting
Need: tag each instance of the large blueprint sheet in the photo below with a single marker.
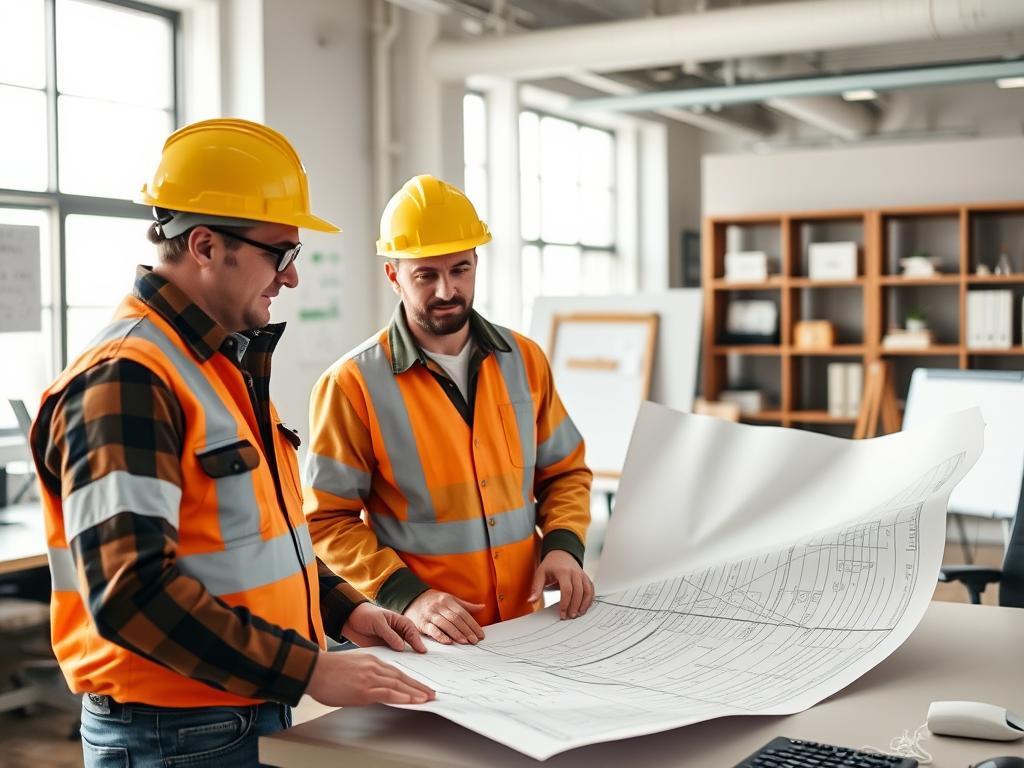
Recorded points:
(711, 602)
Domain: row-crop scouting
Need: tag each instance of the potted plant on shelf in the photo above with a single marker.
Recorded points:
(916, 320)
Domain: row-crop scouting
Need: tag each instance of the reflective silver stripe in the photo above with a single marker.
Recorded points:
(396, 431)
(331, 476)
(456, 537)
(236, 496)
(118, 329)
(62, 570)
(563, 441)
(513, 371)
(118, 492)
(249, 565)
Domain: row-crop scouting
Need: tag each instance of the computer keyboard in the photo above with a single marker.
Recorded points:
(781, 752)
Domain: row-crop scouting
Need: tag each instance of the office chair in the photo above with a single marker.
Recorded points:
(1010, 577)
(25, 427)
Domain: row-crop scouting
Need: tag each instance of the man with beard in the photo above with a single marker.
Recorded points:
(445, 479)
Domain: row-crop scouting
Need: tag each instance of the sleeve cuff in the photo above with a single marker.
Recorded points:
(299, 660)
(401, 588)
(337, 601)
(565, 540)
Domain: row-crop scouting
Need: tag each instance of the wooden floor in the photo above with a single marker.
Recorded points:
(39, 741)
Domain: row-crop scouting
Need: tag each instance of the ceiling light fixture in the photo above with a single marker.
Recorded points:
(860, 94)
(1010, 82)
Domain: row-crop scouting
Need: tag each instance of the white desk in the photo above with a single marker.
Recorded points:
(959, 651)
(22, 537)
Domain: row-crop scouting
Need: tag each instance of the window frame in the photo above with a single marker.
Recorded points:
(614, 248)
(59, 205)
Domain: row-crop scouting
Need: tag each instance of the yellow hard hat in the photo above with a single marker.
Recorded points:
(233, 168)
(428, 217)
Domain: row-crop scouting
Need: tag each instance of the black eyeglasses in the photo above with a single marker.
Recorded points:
(285, 256)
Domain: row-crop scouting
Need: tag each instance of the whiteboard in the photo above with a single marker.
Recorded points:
(992, 488)
(602, 368)
(676, 351)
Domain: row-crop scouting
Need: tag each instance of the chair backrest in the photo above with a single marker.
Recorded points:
(1011, 586)
(22, 415)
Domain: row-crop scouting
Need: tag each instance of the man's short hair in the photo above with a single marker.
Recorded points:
(171, 250)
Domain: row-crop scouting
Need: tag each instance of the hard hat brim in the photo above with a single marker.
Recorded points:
(435, 249)
(300, 220)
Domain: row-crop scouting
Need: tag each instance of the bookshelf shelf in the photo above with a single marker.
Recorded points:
(957, 238)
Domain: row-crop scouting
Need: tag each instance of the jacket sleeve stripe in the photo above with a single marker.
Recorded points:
(118, 492)
(325, 474)
(563, 441)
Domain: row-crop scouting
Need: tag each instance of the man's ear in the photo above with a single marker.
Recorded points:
(201, 243)
(391, 270)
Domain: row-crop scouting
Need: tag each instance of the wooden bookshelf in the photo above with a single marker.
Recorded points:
(958, 236)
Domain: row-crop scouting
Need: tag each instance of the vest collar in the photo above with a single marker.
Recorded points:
(405, 351)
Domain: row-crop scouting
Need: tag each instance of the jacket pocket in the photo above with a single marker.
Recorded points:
(512, 414)
(225, 460)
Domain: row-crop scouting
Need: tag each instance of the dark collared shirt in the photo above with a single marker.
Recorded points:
(120, 416)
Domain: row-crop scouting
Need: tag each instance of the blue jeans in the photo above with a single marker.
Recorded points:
(142, 736)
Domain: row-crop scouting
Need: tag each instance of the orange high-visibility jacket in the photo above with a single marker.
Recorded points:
(232, 535)
(396, 479)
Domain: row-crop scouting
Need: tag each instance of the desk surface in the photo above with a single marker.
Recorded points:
(959, 651)
(22, 537)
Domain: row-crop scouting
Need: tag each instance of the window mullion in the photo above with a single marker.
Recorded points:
(52, 155)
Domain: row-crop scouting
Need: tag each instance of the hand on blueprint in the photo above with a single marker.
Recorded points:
(560, 569)
(353, 679)
(445, 617)
(370, 625)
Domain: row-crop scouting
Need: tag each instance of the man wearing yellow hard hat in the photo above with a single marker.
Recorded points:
(188, 606)
(445, 479)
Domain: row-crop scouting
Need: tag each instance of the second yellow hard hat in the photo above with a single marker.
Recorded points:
(429, 217)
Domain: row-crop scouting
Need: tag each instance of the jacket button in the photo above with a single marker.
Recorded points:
(483, 483)
(492, 522)
(476, 443)
(496, 555)
(501, 598)
(236, 466)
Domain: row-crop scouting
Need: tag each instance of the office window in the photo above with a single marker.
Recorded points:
(93, 86)
(474, 142)
(567, 208)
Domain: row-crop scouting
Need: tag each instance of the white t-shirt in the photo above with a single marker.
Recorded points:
(456, 366)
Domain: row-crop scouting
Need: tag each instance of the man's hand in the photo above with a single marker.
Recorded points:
(353, 679)
(445, 617)
(560, 569)
(369, 625)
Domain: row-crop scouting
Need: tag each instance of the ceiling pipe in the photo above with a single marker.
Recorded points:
(850, 122)
(708, 122)
(757, 30)
(831, 85)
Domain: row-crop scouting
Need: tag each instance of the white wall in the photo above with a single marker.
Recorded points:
(866, 176)
(316, 77)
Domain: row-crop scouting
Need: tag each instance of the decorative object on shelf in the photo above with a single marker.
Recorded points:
(898, 338)
(982, 269)
(690, 251)
(816, 334)
(750, 401)
(1003, 266)
(746, 267)
(752, 322)
(920, 264)
(989, 319)
(832, 261)
(916, 320)
(845, 386)
(717, 408)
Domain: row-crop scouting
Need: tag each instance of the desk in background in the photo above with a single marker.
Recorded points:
(22, 538)
(957, 652)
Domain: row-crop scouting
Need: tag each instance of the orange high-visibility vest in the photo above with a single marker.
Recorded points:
(233, 536)
(459, 505)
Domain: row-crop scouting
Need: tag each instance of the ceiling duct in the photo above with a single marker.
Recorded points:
(754, 30)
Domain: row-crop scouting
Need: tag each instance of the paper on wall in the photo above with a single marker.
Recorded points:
(708, 603)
